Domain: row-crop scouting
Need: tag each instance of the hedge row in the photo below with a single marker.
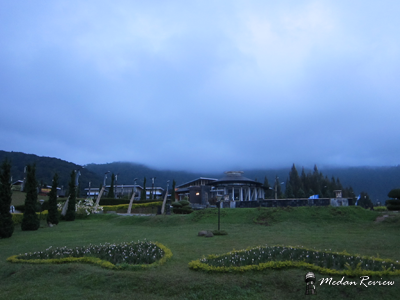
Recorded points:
(111, 201)
(135, 205)
(17, 218)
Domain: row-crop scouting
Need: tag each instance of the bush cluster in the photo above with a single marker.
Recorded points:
(109, 201)
(17, 218)
(182, 207)
(135, 205)
(393, 204)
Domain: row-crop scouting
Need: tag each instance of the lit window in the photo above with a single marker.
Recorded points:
(197, 193)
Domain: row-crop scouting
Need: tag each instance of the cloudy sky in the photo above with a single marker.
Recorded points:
(202, 85)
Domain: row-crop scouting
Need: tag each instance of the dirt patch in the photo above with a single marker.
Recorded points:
(381, 218)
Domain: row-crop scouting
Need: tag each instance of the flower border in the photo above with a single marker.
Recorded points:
(351, 272)
(97, 261)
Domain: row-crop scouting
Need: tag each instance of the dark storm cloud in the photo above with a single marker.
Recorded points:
(199, 85)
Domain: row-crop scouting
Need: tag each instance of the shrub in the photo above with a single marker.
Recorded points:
(17, 218)
(393, 204)
(108, 201)
(395, 193)
(182, 207)
(380, 208)
(30, 220)
(52, 217)
(70, 214)
(134, 205)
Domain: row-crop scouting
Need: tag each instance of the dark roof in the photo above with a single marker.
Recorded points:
(234, 177)
(197, 179)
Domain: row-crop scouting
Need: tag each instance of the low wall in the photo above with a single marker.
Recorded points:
(279, 203)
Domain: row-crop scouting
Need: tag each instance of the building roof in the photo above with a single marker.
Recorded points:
(232, 177)
(194, 180)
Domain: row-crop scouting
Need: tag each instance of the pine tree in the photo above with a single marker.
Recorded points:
(305, 182)
(289, 190)
(111, 191)
(30, 220)
(52, 216)
(278, 188)
(70, 215)
(143, 194)
(267, 188)
(6, 222)
(295, 180)
(301, 193)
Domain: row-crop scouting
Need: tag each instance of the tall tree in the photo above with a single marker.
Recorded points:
(289, 190)
(143, 194)
(111, 191)
(52, 216)
(30, 220)
(295, 180)
(267, 188)
(6, 222)
(70, 215)
(278, 188)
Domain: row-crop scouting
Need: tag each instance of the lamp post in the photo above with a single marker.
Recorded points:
(105, 178)
(152, 188)
(168, 200)
(115, 186)
(219, 211)
(276, 187)
(134, 185)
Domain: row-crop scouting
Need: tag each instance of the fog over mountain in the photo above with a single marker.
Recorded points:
(376, 181)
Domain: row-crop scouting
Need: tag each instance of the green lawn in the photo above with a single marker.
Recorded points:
(351, 229)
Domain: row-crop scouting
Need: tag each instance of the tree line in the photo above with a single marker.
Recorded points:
(306, 185)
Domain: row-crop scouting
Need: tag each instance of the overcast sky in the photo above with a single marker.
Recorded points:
(202, 85)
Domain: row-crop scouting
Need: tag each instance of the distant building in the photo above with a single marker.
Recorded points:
(126, 190)
(235, 187)
(120, 191)
(232, 187)
(197, 190)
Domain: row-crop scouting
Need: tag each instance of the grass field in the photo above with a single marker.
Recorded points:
(348, 228)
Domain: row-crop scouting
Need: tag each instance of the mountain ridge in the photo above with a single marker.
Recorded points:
(376, 181)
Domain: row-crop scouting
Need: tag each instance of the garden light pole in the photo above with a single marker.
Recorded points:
(115, 186)
(134, 185)
(152, 188)
(105, 178)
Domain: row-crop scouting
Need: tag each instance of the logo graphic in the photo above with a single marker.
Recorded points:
(310, 284)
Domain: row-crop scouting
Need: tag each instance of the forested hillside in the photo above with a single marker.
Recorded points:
(377, 181)
(46, 167)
